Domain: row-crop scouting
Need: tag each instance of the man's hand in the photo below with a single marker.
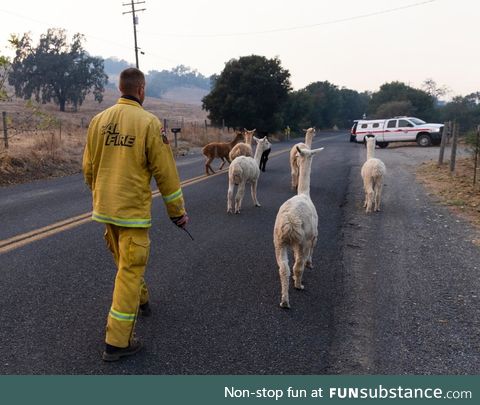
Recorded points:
(181, 222)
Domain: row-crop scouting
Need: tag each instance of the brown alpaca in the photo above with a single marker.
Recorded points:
(243, 148)
(219, 150)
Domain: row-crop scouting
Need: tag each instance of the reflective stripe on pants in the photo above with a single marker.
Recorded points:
(130, 248)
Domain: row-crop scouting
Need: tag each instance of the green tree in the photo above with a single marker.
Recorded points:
(5, 66)
(465, 110)
(298, 110)
(250, 92)
(325, 102)
(352, 106)
(324, 105)
(395, 109)
(56, 71)
(422, 103)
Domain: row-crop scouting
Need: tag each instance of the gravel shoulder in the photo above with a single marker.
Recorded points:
(409, 293)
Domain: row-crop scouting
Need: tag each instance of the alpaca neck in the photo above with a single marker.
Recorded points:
(258, 154)
(309, 139)
(370, 150)
(234, 142)
(248, 139)
(304, 177)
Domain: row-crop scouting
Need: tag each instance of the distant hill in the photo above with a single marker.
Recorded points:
(180, 84)
(186, 95)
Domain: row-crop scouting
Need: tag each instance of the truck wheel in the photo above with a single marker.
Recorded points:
(424, 140)
(382, 145)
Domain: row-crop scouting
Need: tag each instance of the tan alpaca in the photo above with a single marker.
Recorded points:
(243, 170)
(294, 168)
(373, 171)
(296, 228)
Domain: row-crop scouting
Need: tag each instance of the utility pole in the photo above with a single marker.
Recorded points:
(135, 22)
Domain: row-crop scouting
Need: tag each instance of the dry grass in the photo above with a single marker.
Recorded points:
(39, 155)
(455, 191)
(35, 154)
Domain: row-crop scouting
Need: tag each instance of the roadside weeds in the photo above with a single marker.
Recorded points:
(456, 191)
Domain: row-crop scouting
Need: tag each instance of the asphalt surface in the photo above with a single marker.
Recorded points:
(391, 293)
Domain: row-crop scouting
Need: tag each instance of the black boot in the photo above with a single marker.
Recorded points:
(145, 309)
(114, 353)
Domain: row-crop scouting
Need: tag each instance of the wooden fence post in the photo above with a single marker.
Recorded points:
(453, 156)
(5, 129)
(446, 129)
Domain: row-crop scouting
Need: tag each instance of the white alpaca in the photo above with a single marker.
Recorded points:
(296, 227)
(243, 170)
(309, 135)
(373, 171)
(243, 148)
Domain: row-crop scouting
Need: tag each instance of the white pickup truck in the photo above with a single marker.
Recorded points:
(397, 129)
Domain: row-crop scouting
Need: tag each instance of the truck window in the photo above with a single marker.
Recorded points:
(392, 124)
(376, 125)
(404, 123)
(364, 125)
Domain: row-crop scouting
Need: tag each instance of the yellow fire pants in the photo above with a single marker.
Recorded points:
(130, 248)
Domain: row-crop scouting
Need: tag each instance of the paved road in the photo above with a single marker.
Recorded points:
(393, 292)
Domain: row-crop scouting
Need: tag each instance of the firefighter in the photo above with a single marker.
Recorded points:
(125, 148)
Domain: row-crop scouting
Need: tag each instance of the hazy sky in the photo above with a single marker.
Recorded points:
(359, 44)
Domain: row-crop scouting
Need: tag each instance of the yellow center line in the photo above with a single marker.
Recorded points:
(23, 239)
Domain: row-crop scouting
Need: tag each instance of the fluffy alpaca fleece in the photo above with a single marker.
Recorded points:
(219, 150)
(243, 170)
(294, 167)
(296, 228)
(373, 172)
(243, 148)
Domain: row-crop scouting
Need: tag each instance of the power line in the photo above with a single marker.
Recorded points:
(88, 36)
(296, 28)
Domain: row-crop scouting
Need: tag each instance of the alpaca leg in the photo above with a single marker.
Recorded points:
(208, 167)
(263, 162)
(300, 252)
(369, 195)
(254, 194)
(239, 197)
(231, 188)
(378, 195)
(370, 200)
(223, 164)
(312, 245)
(284, 272)
(365, 192)
(224, 160)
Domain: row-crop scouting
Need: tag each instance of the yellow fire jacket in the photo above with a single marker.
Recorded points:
(124, 150)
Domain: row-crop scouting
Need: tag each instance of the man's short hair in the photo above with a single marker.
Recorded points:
(130, 80)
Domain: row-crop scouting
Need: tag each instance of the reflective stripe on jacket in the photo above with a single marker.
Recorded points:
(124, 150)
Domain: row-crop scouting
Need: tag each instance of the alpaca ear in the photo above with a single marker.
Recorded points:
(317, 150)
(255, 139)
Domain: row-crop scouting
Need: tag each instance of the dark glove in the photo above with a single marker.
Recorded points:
(181, 222)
